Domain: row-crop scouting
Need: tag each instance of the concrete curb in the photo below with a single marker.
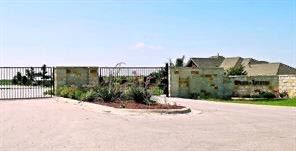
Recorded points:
(161, 111)
(106, 109)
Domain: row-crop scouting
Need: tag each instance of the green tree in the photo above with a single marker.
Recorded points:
(236, 70)
(17, 79)
(30, 74)
(14, 80)
(25, 80)
(44, 72)
(19, 76)
(180, 62)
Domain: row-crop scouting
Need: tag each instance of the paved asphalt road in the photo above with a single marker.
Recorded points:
(49, 125)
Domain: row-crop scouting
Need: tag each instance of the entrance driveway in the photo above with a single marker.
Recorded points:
(49, 125)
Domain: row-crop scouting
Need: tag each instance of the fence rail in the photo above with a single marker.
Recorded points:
(128, 71)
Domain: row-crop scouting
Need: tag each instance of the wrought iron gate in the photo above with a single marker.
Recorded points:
(26, 82)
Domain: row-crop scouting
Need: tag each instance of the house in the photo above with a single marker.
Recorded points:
(252, 66)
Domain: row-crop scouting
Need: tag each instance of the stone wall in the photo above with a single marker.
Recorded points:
(203, 82)
(190, 82)
(78, 76)
(187, 82)
(288, 83)
(246, 85)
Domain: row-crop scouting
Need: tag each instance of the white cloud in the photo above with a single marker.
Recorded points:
(142, 45)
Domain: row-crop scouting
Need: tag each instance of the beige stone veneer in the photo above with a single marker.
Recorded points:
(288, 83)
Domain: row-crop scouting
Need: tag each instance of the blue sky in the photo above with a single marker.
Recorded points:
(144, 33)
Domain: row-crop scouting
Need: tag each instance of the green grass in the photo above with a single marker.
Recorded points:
(5, 82)
(282, 102)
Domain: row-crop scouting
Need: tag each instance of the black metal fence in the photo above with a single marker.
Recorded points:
(128, 76)
(26, 82)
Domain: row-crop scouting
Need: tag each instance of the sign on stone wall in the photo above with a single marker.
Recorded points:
(251, 82)
(248, 85)
(213, 83)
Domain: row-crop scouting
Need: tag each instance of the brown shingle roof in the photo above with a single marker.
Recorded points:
(206, 62)
(250, 61)
(269, 69)
(231, 62)
(252, 66)
(262, 69)
(285, 69)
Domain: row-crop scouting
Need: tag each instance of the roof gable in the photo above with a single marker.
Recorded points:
(205, 62)
(252, 66)
(230, 62)
(285, 69)
(262, 69)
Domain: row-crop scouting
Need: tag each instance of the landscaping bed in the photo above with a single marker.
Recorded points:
(133, 105)
(134, 94)
(132, 98)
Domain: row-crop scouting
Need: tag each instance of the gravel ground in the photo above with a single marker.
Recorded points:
(50, 125)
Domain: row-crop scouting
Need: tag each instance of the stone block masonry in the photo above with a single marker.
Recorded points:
(187, 82)
(190, 82)
(287, 83)
(247, 85)
(78, 76)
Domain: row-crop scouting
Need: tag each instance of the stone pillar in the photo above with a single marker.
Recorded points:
(60, 77)
(287, 83)
(93, 76)
(174, 82)
(77, 76)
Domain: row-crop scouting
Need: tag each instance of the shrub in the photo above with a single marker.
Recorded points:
(194, 95)
(156, 91)
(256, 96)
(267, 95)
(246, 96)
(59, 90)
(235, 94)
(109, 94)
(63, 91)
(262, 94)
(140, 95)
(236, 70)
(89, 96)
(72, 92)
(77, 94)
(226, 97)
(126, 94)
(284, 94)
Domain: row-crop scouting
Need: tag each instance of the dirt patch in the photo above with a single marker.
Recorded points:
(134, 105)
